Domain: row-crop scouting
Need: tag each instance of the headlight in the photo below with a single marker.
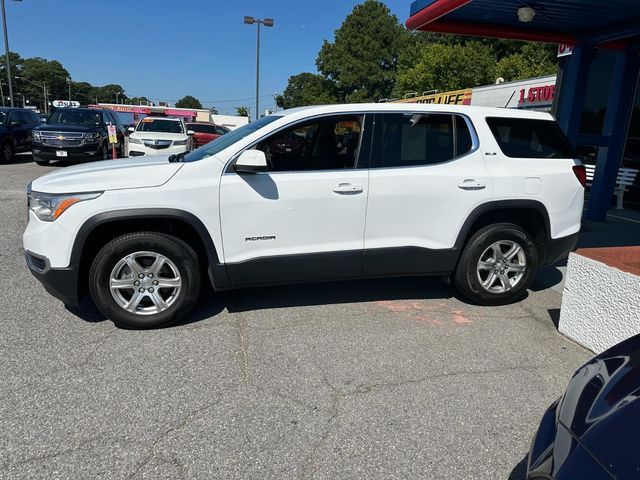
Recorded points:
(180, 142)
(91, 137)
(134, 140)
(37, 135)
(49, 206)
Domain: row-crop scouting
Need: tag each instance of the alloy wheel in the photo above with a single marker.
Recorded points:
(502, 266)
(145, 283)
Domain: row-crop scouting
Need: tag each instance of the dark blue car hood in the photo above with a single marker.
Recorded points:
(601, 408)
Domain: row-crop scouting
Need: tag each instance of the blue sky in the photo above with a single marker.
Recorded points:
(166, 49)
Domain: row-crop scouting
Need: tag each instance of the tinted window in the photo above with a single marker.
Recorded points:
(200, 128)
(329, 143)
(421, 139)
(159, 125)
(34, 117)
(525, 138)
(24, 117)
(221, 130)
(84, 118)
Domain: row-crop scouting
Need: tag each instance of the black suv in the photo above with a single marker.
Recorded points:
(16, 125)
(77, 134)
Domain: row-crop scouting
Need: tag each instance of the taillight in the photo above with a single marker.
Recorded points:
(581, 174)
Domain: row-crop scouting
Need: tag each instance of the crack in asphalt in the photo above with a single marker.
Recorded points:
(189, 417)
(69, 366)
(82, 446)
(244, 353)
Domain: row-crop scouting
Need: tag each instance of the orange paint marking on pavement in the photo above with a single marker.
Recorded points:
(460, 319)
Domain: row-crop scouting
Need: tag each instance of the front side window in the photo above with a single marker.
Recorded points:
(407, 140)
(529, 138)
(329, 143)
(160, 126)
(201, 128)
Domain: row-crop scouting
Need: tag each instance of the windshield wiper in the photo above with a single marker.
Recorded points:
(177, 157)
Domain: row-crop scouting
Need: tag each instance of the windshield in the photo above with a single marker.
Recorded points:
(161, 126)
(82, 118)
(229, 139)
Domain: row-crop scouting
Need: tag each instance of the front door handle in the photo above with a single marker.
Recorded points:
(471, 184)
(348, 189)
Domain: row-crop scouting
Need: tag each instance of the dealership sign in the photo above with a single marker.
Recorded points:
(536, 95)
(65, 104)
(457, 97)
(564, 50)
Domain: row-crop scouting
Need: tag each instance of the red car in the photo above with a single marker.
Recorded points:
(205, 132)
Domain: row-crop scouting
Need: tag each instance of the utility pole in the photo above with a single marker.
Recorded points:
(6, 53)
(267, 22)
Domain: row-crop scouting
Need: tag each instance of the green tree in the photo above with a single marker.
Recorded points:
(533, 60)
(363, 57)
(110, 93)
(213, 110)
(447, 67)
(81, 92)
(242, 111)
(16, 69)
(307, 89)
(188, 102)
(41, 70)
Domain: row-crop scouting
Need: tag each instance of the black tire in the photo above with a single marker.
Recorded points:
(468, 277)
(105, 152)
(183, 258)
(6, 151)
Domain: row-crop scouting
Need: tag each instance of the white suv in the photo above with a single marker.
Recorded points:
(482, 196)
(158, 136)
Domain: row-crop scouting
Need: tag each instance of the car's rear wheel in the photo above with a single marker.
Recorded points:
(497, 265)
(145, 280)
(6, 151)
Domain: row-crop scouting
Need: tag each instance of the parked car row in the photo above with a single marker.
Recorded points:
(81, 134)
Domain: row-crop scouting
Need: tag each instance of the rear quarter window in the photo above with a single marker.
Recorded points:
(530, 138)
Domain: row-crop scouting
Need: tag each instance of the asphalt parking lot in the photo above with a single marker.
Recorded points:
(368, 379)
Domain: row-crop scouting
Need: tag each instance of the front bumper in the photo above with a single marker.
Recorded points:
(556, 249)
(137, 150)
(62, 283)
(89, 151)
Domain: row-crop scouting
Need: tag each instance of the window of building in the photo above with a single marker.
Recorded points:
(421, 139)
(527, 138)
(329, 143)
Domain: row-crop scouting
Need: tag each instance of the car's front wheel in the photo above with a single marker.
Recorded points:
(145, 280)
(6, 151)
(497, 265)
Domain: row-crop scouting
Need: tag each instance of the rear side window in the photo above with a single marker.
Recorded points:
(200, 128)
(420, 139)
(527, 138)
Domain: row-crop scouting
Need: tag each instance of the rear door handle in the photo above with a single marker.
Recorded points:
(348, 189)
(471, 184)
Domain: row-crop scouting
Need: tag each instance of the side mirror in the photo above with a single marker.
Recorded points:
(251, 161)
(190, 132)
(131, 129)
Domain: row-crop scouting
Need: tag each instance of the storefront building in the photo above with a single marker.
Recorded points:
(596, 98)
(531, 94)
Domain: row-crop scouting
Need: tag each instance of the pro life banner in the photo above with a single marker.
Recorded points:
(456, 97)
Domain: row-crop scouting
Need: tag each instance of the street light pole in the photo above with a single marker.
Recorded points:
(6, 54)
(267, 22)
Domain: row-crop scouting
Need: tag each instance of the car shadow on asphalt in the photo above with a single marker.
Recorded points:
(300, 295)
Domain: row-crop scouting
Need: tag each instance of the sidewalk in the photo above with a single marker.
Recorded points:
(622, 229)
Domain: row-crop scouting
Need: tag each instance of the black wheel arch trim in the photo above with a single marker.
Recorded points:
(217, 271)
(506, 205)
